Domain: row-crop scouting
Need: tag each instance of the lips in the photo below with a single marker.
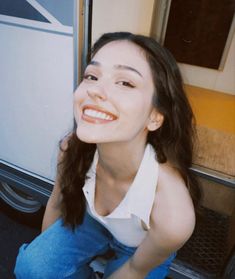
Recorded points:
(97, 115)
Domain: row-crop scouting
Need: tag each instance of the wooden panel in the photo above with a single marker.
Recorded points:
(197, 30)
(215, 150)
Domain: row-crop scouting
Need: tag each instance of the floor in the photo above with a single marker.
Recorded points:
(12, 236)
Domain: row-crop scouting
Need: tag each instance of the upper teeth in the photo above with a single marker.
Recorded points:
(97, 114)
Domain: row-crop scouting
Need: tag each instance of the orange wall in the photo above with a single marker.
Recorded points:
(212, 109)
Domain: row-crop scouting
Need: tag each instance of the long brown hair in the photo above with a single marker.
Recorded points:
(172, 142)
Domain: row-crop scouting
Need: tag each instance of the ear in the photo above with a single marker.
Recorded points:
(155, 120)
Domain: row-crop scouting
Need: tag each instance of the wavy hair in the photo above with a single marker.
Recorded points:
(172, 142)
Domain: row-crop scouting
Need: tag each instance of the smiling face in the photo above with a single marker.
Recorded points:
(113, 103)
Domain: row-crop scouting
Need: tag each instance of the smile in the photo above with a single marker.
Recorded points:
(96, 115)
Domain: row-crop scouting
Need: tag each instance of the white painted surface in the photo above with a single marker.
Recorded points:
(121, 15)
(36, 77)
(225, 80)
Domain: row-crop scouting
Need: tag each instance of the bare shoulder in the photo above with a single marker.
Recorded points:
(64, 142)
(173, 213)
(63, 145)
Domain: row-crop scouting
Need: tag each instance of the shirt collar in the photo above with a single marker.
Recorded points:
(140, 196)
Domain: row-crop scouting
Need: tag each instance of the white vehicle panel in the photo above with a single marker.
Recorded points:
(36, 91)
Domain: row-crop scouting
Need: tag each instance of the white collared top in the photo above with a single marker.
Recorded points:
(125, 221)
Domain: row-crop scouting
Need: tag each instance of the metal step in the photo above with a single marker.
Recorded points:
(205, 254)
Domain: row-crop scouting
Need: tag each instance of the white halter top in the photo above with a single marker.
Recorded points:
(124, 222)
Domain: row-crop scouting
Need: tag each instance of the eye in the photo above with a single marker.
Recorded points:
(126, 84)
(90, 77)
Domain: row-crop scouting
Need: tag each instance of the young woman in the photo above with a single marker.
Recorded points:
(123, 174)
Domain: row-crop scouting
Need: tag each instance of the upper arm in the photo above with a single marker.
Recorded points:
(172, 216)
(53, 211)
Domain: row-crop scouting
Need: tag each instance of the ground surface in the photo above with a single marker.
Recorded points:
(12, 236)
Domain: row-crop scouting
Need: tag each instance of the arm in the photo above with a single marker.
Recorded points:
(52, 212)
(172, 223)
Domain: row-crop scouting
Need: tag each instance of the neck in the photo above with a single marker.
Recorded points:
(119, 162)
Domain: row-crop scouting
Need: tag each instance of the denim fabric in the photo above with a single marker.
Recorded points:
(61, 253)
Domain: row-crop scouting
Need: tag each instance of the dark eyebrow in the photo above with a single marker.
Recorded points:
(121, 67)
(124, 67)
(95, 63)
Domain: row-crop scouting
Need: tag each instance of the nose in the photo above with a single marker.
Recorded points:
(97, 93)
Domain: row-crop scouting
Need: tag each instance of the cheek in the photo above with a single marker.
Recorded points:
(77, 94)
(138, 108)
(78, 97)
(133, 119)
(77, 101)
(80, 91)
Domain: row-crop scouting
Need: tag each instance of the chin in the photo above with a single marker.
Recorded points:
(86, 136)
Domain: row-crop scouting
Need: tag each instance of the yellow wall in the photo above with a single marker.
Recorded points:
(212, 109)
